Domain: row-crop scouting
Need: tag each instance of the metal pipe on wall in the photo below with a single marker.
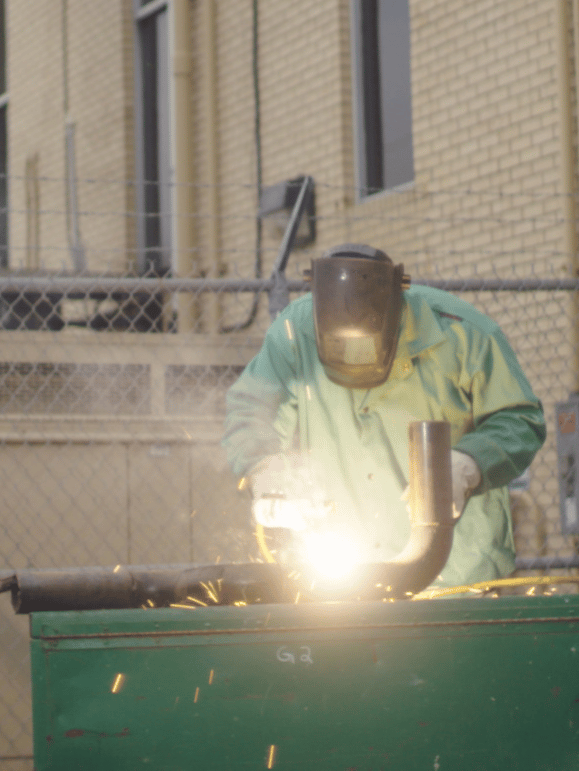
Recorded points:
(77, 251)
(212, 263)
(567, 155)
(182, 155)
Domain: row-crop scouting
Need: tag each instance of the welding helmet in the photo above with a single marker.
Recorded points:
(357, 299)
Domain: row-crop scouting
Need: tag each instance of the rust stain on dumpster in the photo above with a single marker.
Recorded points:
(74, 733)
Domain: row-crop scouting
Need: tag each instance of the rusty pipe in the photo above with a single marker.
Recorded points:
(134, 586)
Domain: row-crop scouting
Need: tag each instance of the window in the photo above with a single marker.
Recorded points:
(152, 137)
(382, 98)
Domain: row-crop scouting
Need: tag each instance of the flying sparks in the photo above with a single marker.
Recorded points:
(198, 602)
(211, 591)
(118, 683)
(271, 753)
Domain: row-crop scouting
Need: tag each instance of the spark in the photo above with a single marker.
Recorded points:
(118, 683)
(293, 574)
(210, 592)
(271, 755)
(288, 329)
(297, 599)
(150, 603)
(117, 568)
(199, 602)
(240, 603)
(196, 695)
(211, 673)
(309, 393)
(180, 605)
(531, 591)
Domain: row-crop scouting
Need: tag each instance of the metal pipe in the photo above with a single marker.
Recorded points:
(279, 293)
(567, 165)
(212, 250)
(146, 586)
(432, 522)
(182, 153)
(131, 586)
(428, 547)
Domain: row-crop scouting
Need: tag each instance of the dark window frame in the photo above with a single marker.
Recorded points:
(152, 138)
(382, 95)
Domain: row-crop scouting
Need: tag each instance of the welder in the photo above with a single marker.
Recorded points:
(318, 421)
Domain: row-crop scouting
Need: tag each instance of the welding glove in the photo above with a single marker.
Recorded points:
(465, 477)
(285, 494)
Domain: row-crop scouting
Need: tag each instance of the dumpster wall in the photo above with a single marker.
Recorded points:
(450, 684)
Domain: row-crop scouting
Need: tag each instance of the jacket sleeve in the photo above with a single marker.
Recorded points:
(508, 420)
(261, 407)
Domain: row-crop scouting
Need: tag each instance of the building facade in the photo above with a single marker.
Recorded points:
(137, 140)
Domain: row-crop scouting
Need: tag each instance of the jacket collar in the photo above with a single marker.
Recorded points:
(420, 328)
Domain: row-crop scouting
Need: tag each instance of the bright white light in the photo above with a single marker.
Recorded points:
(330, 554)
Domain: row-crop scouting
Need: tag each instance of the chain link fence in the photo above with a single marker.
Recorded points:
(111, 419)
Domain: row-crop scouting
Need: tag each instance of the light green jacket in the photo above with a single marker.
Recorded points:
(453, 364)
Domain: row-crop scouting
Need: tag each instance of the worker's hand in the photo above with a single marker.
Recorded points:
(285, 495)
(271, 476)
(465, 477)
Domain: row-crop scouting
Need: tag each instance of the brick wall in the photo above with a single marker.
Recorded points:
(70, 61)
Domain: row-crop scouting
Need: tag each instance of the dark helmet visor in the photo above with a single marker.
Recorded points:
(357, 309)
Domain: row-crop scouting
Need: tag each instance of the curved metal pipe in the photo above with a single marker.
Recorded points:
(412, 570)
(431, 521)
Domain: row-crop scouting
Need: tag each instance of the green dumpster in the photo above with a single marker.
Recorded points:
(444, 685)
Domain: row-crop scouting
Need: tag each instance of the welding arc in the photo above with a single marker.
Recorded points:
(431, 525)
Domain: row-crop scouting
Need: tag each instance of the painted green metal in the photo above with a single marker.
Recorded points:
(449, 685)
